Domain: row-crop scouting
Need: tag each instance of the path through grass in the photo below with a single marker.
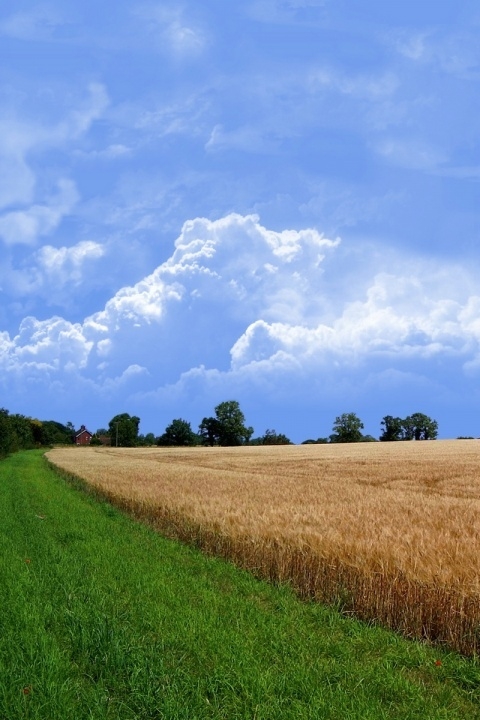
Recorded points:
(102, 618)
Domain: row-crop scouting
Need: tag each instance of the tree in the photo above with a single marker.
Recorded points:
(414, 427)
(231, 424)
(392, 428)
(147, 440)
(123, 430)
(347, 429)
(271, 437)
(25, 432)
(71, 430)
(56, 433)
(5, 433)
(318, 441)
(421, 427)
(209, 431)
(178, 434)
(227, 427)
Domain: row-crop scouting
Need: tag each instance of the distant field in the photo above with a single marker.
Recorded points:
(388, 531)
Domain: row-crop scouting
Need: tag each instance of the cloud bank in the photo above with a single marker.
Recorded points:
(240, 309)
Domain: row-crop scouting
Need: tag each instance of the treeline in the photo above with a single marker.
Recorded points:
(348, 427)
(227, 427)
(18, 432)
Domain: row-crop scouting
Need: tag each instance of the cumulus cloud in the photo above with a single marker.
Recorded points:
(220, 277)
(50, 345)
(54, 274)
(238, 305)
(66, 265)
(397, 320)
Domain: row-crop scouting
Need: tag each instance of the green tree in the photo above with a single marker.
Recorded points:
(231, 423)
(271, 437)
(25, 432)
(421, 427)
(392, 428)
(57, 434)
(414, 427)
(6, 439)
(123, 430)
(178, 434)
(147, 440)
(227, 427)
(209, 431)
(347, 429)
(318, 441)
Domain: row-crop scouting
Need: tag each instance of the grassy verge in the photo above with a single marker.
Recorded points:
(102, 618)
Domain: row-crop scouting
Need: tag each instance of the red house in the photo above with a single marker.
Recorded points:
(83, 436)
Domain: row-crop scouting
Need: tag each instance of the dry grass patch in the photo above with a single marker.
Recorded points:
(390, 531)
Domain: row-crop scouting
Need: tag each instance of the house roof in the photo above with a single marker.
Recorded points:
(82, 430)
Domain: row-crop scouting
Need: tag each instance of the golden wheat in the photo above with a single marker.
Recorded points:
(391, 531)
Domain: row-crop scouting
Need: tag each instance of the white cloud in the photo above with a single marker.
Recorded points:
(27, 226)
(399, 319)
(66, 265)
(20, 135)
(37, 209)
(234, 264)
(47, 345)
(54, 275)
(243, 304)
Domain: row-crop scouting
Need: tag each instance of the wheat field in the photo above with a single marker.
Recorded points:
(389, 532)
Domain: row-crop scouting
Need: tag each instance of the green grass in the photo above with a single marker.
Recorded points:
(102, 618)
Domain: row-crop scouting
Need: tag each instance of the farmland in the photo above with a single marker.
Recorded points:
(103, 618)
(387, 531)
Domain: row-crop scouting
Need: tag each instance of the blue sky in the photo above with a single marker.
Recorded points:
(273, 201)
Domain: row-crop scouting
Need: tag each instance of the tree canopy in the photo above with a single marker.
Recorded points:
(178, 434)
(271, 437)
(123, 430)
(347, 429)
(227, 427)
(414, 427)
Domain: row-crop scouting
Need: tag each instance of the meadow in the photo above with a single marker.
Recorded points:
(102, 618)
(389, 532)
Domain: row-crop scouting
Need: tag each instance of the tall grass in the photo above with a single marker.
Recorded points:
(103, 619)
(388, 531)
